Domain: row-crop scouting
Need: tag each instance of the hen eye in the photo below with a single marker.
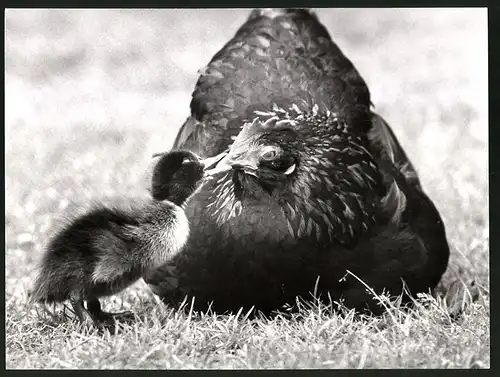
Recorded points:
(270, 154)
(276, 164)
(286, 166)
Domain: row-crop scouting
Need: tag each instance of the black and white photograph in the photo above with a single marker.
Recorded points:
(266, 188)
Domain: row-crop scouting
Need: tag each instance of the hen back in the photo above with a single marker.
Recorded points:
(277, 56)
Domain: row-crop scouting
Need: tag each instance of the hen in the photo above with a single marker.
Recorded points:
(300, 201)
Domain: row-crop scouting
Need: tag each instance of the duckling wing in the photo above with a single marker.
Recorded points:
(114, 253)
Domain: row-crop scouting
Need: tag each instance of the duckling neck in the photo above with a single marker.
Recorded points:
(180, 202)
(179, 198)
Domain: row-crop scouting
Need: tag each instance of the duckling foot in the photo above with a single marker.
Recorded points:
(107, 319)
(125, 316)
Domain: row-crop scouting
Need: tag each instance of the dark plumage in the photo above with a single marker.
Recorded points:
(107, 249)
(277, 56)
(422, 217)
(301, 195)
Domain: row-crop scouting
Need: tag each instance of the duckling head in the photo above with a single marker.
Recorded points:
(176, 176)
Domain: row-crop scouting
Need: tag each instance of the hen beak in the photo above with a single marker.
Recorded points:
(211, 163)
(229, 162)
(223, 162)
(249, 167)
(219, 165)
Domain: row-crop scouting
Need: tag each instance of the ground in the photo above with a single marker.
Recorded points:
(91, 94)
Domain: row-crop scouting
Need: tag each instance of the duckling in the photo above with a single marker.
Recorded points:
(167, 182)
(109, 248)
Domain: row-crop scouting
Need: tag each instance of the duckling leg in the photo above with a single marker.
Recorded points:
(83, 315)
(94, 307)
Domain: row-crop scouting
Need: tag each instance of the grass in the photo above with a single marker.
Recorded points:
(91, 94)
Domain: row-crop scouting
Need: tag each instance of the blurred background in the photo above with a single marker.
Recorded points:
(91, 94)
